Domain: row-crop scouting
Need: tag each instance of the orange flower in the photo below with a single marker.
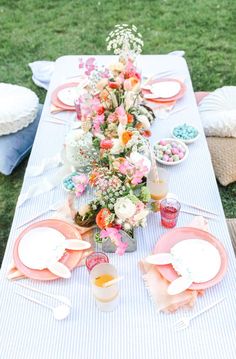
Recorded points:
(130, 118)
(131, 84)
(126, 137)
(139, 126)
(104, 95)
(102, 218)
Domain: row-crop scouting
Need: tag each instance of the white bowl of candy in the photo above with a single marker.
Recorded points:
(185, 132)
(170, 152)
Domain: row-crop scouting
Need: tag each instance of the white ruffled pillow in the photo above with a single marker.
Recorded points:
(218, 112)
(18, 109)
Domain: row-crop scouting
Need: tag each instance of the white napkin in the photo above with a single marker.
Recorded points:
(42, 72)
(46, 164)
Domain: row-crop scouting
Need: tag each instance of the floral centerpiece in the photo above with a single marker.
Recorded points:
(114, 112)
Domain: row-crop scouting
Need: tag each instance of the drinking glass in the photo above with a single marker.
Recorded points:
(158, 185)
(107, 298)
(94, 259)
(170, 209)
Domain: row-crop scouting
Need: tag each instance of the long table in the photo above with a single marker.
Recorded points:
(135, 329)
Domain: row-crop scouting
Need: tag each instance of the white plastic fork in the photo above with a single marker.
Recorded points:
(60, 298)
(184, 322)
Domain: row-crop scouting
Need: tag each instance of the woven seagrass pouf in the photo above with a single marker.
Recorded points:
(231, 223)
(223, 156)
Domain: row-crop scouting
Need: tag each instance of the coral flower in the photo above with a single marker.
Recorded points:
(130, 118)
(102, 218)
(113, 85)
(131, 84)
(126, 137)
(100, 110)
(106, 144)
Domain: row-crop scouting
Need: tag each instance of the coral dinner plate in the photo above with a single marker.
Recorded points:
(55, 100)
(169, 99)
(70, 258)
(169, 239)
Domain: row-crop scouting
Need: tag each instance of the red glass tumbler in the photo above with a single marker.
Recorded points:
(170, 209)
(96, 258)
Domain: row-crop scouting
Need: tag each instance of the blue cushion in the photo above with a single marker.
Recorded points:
(16, 146)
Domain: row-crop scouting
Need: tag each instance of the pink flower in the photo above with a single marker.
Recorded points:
(81, 63)
(89, 65)
(97, 122)
(121, 114)
(111, 233)
(125, 167)
(112, 117)
(80, 179)
(121, 248)
(115, 237)
(79, 189)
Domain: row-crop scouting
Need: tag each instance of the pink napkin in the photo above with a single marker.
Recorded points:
(157, 285)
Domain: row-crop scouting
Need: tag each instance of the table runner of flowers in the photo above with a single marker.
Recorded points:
(116, 118)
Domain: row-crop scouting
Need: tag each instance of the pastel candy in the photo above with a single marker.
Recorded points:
(175, 158)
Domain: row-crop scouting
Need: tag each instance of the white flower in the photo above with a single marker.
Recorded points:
(127, 226)
(119, 67)
(84, 209)
(129, 100)
(116, 148)
(124, 208)
(141, 215)
(145, 122)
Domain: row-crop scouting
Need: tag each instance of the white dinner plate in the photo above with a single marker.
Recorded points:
(41, 246)
(164, 89)
(68, 95)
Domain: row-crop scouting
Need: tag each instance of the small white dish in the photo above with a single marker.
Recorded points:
(187, 142)
(68, 95)
(164, 89)
(178, 143)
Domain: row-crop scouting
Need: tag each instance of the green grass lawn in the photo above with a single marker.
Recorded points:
(33, 30)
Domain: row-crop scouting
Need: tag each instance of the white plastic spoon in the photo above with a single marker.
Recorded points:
(60, 312)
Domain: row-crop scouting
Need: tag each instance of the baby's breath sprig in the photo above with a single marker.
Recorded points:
(125, 41)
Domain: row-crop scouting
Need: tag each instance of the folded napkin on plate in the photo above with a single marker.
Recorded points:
(56, 109)
(157, 285)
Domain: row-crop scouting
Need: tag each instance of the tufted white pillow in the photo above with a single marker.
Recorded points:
(218, 112)
(18, 108)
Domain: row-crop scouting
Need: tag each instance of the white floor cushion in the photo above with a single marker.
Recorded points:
(18, 109)
(218, 112)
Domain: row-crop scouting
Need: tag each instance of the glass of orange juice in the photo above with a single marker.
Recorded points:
(158, 185)
(107, 298)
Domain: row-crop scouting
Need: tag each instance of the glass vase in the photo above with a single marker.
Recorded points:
(109, 247)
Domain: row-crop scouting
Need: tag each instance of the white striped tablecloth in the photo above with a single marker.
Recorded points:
(135, 330)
